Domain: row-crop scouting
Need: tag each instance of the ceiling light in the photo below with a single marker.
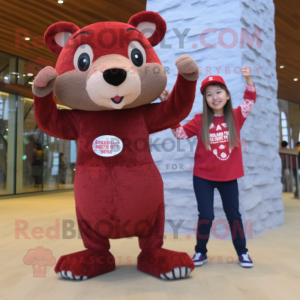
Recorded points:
(29, 74)
(295, 79)
(60, 1)
(281, 67)
(27, 38)
(24, 74)
(30, 82)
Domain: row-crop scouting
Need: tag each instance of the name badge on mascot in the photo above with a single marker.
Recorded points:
(107, 145)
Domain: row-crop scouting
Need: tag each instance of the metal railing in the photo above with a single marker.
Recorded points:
(290, 171)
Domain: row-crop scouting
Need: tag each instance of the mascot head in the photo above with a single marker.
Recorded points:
(108, 65)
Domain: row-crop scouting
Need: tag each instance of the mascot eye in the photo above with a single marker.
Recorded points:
(83, 62)
(83, 58)
(136, 53)
(137, 57)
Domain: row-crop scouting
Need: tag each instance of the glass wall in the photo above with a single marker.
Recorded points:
(30, 160)
(27, 70)
(289, 147)
(48, 163)
(8, 68)
(18, 70)
(7, 142)
(289, 123)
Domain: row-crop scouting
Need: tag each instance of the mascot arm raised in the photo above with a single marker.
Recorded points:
(160, 116)
(63, 124)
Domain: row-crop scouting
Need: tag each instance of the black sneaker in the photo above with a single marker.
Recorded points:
(245, 261)
(199, 259)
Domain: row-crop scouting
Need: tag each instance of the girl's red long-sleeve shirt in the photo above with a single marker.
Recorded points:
(218, 163)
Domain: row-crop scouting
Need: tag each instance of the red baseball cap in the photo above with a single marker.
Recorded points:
(211, 79)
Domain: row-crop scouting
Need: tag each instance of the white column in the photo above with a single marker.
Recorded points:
(260, 188)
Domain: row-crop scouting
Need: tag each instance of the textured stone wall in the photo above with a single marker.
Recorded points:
(260, 188)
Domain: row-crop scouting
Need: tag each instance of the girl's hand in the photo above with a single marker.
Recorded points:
(164, 95)
(246, 73)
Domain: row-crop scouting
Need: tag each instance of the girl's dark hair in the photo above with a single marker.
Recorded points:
(208, 116)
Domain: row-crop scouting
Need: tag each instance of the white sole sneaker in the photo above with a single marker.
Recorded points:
(199, 263)
(246, 265)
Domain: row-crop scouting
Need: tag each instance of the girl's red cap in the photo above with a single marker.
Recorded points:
(209, 80)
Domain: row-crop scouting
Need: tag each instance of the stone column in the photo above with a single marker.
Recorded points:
(239, 33)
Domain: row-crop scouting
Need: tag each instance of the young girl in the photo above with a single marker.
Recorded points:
(218, 159)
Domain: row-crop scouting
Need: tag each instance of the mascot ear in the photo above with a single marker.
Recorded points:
(58, 34)
(151, 24)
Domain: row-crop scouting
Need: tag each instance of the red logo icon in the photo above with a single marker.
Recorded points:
(39, 258)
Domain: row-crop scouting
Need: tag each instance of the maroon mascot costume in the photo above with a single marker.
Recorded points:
(109, 74)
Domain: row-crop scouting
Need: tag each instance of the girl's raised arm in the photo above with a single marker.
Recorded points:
(249, 98)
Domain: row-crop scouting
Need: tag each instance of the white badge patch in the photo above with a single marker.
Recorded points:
(107, 145)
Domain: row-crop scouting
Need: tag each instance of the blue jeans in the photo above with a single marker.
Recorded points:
(204, 190)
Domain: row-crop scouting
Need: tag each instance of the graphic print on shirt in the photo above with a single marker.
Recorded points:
(246, 107)
(218, 137)
(179, 133)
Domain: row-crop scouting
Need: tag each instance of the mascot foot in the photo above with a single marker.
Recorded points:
(176, 273)
(85, 264)
(165, 264)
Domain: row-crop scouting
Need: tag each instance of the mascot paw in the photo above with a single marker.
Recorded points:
(176, 273)
(85, 264)
(187, 67)
(165, 264)
(44, 82)
(69, 275)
